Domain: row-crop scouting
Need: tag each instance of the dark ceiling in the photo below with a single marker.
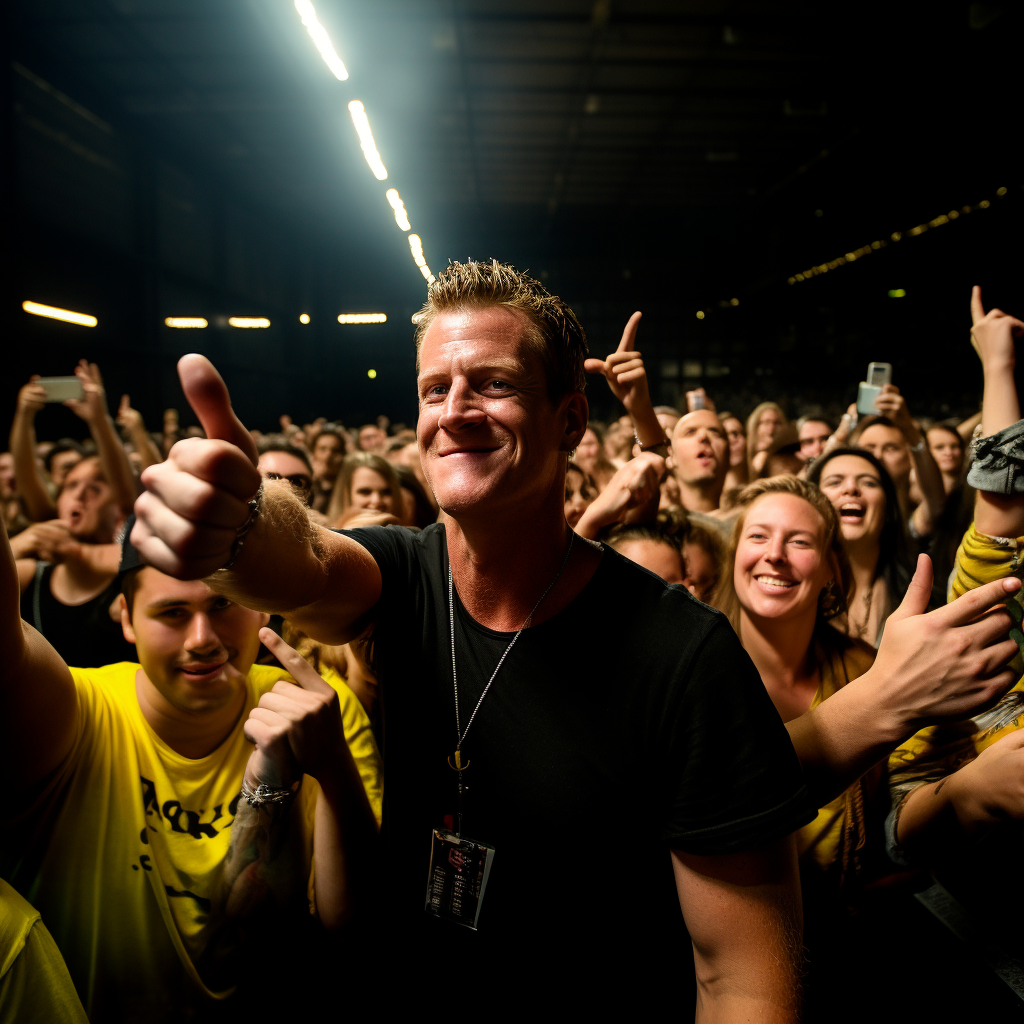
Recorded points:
(666, 156)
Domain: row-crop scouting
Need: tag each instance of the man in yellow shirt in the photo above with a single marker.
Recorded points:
(163, 814)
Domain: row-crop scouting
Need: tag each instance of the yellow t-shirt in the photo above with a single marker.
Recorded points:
(820, 843)
(939, 750)
(35, 987)
(123, 851)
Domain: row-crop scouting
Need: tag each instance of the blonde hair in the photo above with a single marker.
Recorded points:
(341, 496)
(554, 331)
(752, 421)
(831, 601)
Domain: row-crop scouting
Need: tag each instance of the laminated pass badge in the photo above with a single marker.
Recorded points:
(459, 868)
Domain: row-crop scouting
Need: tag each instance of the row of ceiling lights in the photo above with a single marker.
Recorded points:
(70, 316)
(357, 110)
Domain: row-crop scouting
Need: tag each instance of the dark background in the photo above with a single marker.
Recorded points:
(195, 157)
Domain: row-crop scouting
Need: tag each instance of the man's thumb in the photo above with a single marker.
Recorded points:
(208, 395)
(919, 591)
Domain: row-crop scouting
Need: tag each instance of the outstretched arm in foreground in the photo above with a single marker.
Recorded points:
(38, 707)
(297, 730)
(935, 666)
(744, 916)
(197, 500)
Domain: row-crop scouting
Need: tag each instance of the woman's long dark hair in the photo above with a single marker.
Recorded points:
(894, 563)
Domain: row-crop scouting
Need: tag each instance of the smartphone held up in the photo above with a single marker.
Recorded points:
(879, 374)
(62, 389)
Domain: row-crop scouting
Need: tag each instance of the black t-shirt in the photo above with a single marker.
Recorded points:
(630, 723)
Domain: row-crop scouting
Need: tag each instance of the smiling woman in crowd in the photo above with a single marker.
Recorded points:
(864, 496)
(367, 482)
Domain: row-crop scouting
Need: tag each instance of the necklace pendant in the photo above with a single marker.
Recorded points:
(458, 765)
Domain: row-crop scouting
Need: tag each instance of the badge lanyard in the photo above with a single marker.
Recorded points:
(460, 733)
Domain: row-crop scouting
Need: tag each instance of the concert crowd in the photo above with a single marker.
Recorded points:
(510, 703)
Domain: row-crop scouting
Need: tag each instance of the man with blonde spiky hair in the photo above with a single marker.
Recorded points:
(561, 800)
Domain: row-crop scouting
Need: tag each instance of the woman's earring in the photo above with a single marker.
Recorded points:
(829, 599)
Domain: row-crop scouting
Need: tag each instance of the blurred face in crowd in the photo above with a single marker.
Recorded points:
(371, 491)
(780, 567)
(588, 451)
(7, 489)
(737, 441)
(194, 646)
(372, 438)
(659, 557)
(813, 435)
(700, 449)
(488, 431)
(86, 504)
(291, 469)
(947, 449)
(701, 571)
(61, 464)
(668, 421)
(889, 446)
(579, 494)
(327, 455)
(766, 429)
(855, 490)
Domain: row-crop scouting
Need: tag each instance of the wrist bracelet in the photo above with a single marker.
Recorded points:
(264, 794)
(255, 503)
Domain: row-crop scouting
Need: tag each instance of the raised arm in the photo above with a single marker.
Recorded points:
(631, 495)
(744, 916)
(113, 458)
(39, 505)
(929, 478)
(132, 421)
(626, 376)
(38, 706)
(935, 666)
(994, 336)
(197, 502)
(297, 730)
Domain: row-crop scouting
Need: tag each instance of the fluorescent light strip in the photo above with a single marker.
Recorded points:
(416, 246)
(248, 321)
(56, 313)
(362, 318)
(369, 147)
(401, 217)
(185, 321)
(322, 40)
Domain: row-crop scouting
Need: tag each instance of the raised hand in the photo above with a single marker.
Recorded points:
(127, 417)
(624, 369)
(993, 333)
(892, 404)
(31, 397)
(194, 503)
(296, 727)
(950, 663)
(93, 406)
(631, 495)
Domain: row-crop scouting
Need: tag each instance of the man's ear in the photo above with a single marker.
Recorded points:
(126, 620)
(577, 414)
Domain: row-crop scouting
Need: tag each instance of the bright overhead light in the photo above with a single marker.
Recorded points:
(401, 217)
(303, 318)
(185, 321)
(369, 147)
(248, 321)
(371, 374)
(700, 314)
(416, 247)
(56, 313)
(322, 40)
(362, 318)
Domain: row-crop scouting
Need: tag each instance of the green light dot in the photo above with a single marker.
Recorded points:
(371, 374)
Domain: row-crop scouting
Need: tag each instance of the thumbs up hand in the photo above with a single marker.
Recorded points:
(188, 517)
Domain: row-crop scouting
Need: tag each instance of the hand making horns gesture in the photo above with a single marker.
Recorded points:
(194, 503)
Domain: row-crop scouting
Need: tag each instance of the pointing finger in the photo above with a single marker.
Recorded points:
(977, 309)
(299, 669)
(976, 602)
(629, 333)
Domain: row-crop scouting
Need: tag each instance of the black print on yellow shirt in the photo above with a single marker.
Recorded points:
(182, 820)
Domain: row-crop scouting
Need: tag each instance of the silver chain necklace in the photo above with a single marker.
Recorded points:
(460, 733)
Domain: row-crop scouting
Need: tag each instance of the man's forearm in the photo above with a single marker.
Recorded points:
(148, 451)
(844, 736)
(114, 460)
(344, 844)
(936, 823)
(38, 505)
